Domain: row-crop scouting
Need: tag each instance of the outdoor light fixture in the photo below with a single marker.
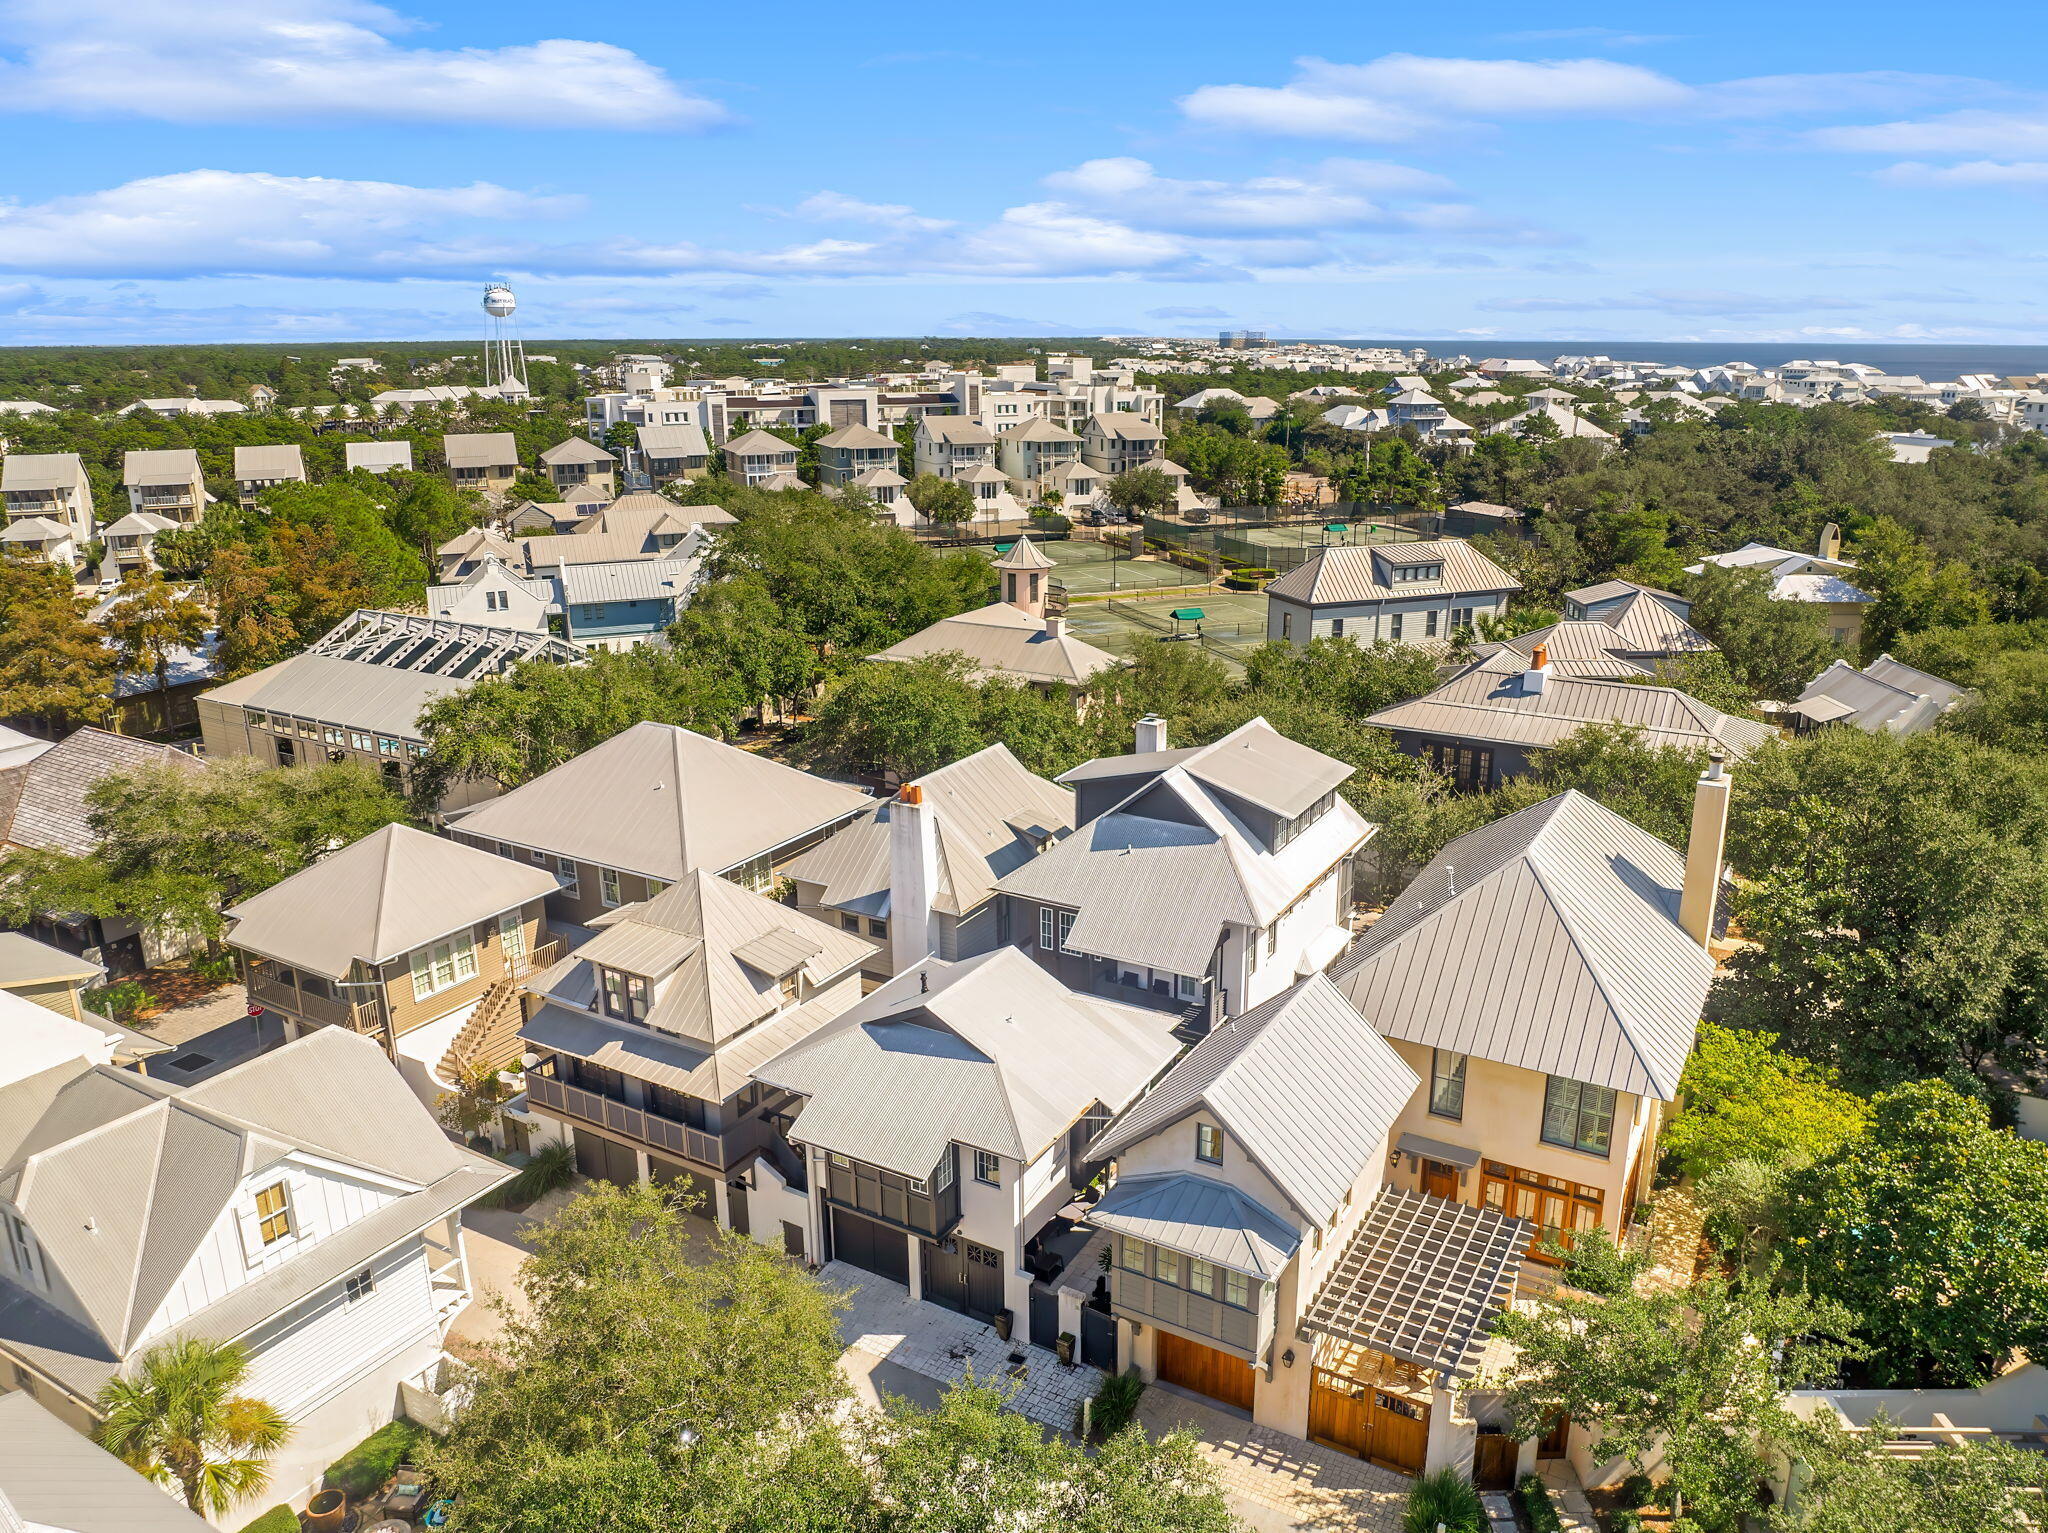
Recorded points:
(1287, 1357)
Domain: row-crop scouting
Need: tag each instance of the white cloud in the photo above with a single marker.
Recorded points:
(837, 207)
(318, 60)
(207, 221)
(1976, 131)
(1693, 302)
(1969, 173)
(1329, 196)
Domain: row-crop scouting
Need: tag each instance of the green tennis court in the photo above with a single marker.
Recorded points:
(1232, 622)
(1312, 535)
(1087, 568)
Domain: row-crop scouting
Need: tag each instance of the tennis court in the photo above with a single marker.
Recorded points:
(1231, 623)
(1086, 569)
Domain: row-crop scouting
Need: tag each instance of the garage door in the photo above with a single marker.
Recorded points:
(695, 1185)
(605, 1160)
(870, 1246)
(1205, 1370)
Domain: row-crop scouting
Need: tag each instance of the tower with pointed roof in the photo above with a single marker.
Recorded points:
(1023, 569)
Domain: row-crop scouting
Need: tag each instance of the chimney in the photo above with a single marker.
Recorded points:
(1538, 675)
(913, 878)
(1704, 851)
(1151, 734)
(1830, 546)
(1054, 627)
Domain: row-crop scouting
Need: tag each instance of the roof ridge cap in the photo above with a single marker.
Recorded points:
(1577, 939)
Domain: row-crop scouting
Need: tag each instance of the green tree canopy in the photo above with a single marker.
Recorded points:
(1772, 647)
(939, 500)
(150, 619)
(1744, 1099)
(1847, 1483)
(1141, 490)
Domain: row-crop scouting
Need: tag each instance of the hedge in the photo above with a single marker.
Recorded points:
(1535, 1498)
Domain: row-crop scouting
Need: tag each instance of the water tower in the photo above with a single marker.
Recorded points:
(504, 354)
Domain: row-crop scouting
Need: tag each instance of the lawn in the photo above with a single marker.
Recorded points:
(364, 1468)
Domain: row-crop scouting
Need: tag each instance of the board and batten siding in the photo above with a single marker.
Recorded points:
(321, 1345)
(322, 1202)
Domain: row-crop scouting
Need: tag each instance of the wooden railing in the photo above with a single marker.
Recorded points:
(634, 1122)
(269, 991)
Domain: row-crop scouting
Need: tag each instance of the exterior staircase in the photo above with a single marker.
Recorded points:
(490, 1038)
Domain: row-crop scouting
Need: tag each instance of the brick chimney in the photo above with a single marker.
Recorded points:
(1704, 851)
(913, 878)
(1537, 677)
(1151, 734)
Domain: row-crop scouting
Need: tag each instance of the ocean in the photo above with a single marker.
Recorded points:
(1936, 363)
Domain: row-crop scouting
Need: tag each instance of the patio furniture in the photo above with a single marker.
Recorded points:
(407, 1494)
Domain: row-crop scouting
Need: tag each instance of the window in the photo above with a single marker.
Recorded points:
(625, 995)
(331, 735)
(1336, 628)
(1394, 628)
(273, 1214)
(787, 985)
(849, 923)
(388, 747)
(358, 1287)
(608, 886)
(1446, 1083)
(443, 965)
(1578, 1115)
(1287, 625)
(360, 741)
(988, 1168)
(1131, 1254)
(1429, 623)
(1166, 1265)
(943, 1175)
(877, 928)
(1201, 1276)
(1461, 617)
(1236, 1290)
(497, 601)
(1209, 1143)
(917, 1185)
(21, 1248)
(1190, 987)
(1273, 935)
(1053, 928)
(570, 881)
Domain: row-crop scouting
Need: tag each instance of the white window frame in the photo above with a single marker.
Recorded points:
(443, 965)
(264, 1241)
(608, 890)
(1207, 1134)
(358, 1286)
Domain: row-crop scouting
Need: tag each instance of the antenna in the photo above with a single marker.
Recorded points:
(504, 352)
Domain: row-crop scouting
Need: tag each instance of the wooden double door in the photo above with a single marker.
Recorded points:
(968, 1278)
(871, 1246)
(1205, 1370)
(1389, 1429)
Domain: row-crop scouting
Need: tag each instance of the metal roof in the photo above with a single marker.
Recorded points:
(627, 580)
(379, 898)
(857, 435)
(377, 455)
(284, 461)
(481, 449)
(1002, 640)
(344, 692)
(1356, 572)
(991, 1051)
(660, 800)
(55, 1479)
(673, 441)
(1302, 1083)
(760, 444)
(42, 471)
(25, 961)
(1548, 940)
(42, 801)
(1883, 697)
(167, 465)
(1422, 1280)
(1202, 1217)
(576, 449)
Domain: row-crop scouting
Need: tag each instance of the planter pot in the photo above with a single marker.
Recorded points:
(1003, 1321)
(1065, 1348)
(327, 1512)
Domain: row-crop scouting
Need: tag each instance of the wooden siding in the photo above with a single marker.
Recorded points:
(58, 995)
(1134, 1294)
(318, 1347)
(407, 1013)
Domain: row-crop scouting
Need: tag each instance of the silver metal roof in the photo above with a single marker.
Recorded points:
(673, 442)
(279, 462)
(481, 449)
(1302, 1084)
(1002, 640)
(1883, 697)
(167, 465)
(1357, 572)
(1201, 1217)
(627, 580)
(42, 471)
(1422, 1280)
(377, 455)
(55, 1479)
(576, 449)
(1548, 940)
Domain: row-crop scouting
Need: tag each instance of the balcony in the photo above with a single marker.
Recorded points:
(1139, 1297)
(283, 991)
(926, 1209)
(650, 1128)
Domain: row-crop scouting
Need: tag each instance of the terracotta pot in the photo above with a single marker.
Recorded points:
(327, 1512)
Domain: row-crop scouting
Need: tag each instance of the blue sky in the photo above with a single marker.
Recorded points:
(330, 169)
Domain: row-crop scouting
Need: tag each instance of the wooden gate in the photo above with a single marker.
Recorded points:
(1493, 1460)
(1358, 1418)
(1205, 1370)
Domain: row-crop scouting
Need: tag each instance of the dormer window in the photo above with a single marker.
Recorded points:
(274, 1213)
(625, 995)
(1404, 574)
(21, 1249)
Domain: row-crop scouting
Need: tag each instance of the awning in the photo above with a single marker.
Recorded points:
(1186, 614)
(1199, 1216)
(1422, 1280)
(1435, 1149)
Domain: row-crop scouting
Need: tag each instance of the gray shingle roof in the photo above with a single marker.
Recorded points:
(1358, 573)
(1302, 1083)
(42, 803)
(660, 800)
(992, 1051)
(395, 890)
(55, 1478)
(1201, 1217)
(1548, 940)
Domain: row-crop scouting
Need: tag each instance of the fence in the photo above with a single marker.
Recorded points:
(1209, 635)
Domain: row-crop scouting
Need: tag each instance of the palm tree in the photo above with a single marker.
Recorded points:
(179, 1420)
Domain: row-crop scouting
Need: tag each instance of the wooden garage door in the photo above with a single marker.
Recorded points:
(1388, 1429)
(870, 1246)
(1205, 1370)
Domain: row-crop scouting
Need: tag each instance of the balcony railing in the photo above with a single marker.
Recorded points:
(639, 1123)
(271, 992)
(1143, 1298)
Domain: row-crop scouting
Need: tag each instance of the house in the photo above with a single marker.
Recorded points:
(1116, 441)
(41, 538)
(1011, 1075)
(1912, 446)
(48, 487)
(131, 541)
(485, 461)
(763, 460)
(635, 526)
(1543, 977)
(650, 804)
(491, 593)
(1014, 636)
(53, 1480)
(43, 808)
(300, 1203)
(1590, 649)
(357, 692)
(38, 974)
(186, 405)
(951, 446)
(1605, 601)
(463, 554)
(622, 605)
(1820, 577)
(1201, 880)
(578, 464)
(258, 468)
(1402, 593)
(643, 1039)
(401, 937)
(1039, 458)
(377, 457)
(1561, 419)
(669, 453)
(847, 454)
(942, 844)
(1486, 724)
(1883, 697)
(1260, 1257)
(168, 483)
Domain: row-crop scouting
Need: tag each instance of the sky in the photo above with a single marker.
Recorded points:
(325, 170)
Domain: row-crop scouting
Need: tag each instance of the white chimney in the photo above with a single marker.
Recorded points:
(1830, 546)
(1151, 734)
(913, 878)
(1704, 851)
(1054, 626)
(1538, 675)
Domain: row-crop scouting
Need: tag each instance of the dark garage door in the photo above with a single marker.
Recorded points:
(695, 1185)
(870, 1246)
(605, 1160)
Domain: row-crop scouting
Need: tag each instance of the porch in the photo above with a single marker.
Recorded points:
(309, 998)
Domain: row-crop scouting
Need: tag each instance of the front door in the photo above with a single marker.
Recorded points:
(1440, 1180)
(1206, 1371)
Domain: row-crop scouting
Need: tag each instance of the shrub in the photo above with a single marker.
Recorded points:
(1444, 1497)
(549, 1167)
(220, 969)
(362, 1470)
(279, 1519)
(1535, 1498)
(1050, 521)
(119, 1002)
(1115, 1404)
(1637, 1490)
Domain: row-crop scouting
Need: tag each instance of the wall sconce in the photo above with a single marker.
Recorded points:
(1394, 1160)
(1137, 1328)
(1287, 1358)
